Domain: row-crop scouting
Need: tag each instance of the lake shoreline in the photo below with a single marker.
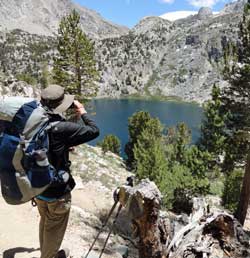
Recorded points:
(150, 98)
(112, 115)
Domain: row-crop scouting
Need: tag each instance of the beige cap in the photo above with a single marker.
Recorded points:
(54, 98)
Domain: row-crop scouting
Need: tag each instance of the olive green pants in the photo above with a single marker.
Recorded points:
(53, 224)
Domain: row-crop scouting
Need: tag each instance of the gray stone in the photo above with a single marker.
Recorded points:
(204, 13)
(122, 250)
(91, 255)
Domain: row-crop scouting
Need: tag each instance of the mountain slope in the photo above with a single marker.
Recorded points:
(157, 57)
(42, 17)
(162, 58)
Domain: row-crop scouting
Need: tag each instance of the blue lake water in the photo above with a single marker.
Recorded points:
(112, 116)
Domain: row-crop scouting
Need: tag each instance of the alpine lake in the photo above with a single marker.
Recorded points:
(111, 116)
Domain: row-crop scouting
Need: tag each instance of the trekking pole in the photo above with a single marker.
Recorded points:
(111, 229)
(130, 182)
(103, 226)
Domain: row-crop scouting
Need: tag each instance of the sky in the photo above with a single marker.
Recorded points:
(130, 12)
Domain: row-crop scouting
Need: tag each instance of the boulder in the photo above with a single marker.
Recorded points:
(204, 13)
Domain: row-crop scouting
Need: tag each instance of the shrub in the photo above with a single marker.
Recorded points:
(232, 189)
(178, 186)
(110, 143)
(26, 77)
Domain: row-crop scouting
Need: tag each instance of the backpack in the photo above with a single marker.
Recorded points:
(24, 143)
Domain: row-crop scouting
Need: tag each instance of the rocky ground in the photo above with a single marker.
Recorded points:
(97, 175)
(208, 231)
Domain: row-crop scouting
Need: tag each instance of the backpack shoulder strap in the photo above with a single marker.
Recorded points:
(51, 125)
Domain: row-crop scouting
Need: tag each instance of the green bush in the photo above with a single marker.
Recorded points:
(177, 177)
(26, 78)
(232, 188)
(178, 186)
(110, 143)
(178, 170)
(217, 181)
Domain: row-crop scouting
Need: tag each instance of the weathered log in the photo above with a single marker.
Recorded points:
(143, 203)
(213, 235)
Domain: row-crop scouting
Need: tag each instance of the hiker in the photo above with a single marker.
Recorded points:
(54, 203)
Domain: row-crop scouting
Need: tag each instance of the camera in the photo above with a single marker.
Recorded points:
(72, 105)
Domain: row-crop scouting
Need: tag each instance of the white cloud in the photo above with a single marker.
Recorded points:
(204, 3)
(167, 1)
(172, 16)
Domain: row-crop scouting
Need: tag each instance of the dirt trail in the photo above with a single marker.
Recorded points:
(19, 226)
(96, 177)
(18, 230)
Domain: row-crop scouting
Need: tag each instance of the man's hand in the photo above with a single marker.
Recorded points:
(116, 194)
(79, 108)
(120, 195)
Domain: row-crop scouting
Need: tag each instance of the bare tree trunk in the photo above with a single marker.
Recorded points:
(243, 207)
(143, 205)
(78, 73)
(150, 234)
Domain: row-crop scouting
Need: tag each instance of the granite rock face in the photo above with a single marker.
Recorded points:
(162, 58)
(42, 17)
(204, 13)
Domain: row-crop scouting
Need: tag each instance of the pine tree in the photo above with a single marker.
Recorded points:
(212, 137)
(75, 66)
(236, 97)
(150, 157)
(137, 123)
(237, 101)
(44, 80)
(183, 137)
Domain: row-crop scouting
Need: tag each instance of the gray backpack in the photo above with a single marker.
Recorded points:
(24, 143)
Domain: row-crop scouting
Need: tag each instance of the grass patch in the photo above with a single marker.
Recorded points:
(217, 187)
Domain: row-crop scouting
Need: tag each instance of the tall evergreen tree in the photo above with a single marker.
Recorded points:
(137, 123)
(183, 137)
(75, 66)
(212, 137)
(236, 97)
(237, 101)
(150, 157)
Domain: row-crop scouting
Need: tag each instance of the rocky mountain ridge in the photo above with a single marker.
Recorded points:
(43, 16)
(161, 58)
(156, 58)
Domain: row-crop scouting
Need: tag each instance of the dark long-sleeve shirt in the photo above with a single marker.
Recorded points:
(62, 136)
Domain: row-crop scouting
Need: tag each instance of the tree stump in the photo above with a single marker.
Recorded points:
(209, 232)
(143, 203)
